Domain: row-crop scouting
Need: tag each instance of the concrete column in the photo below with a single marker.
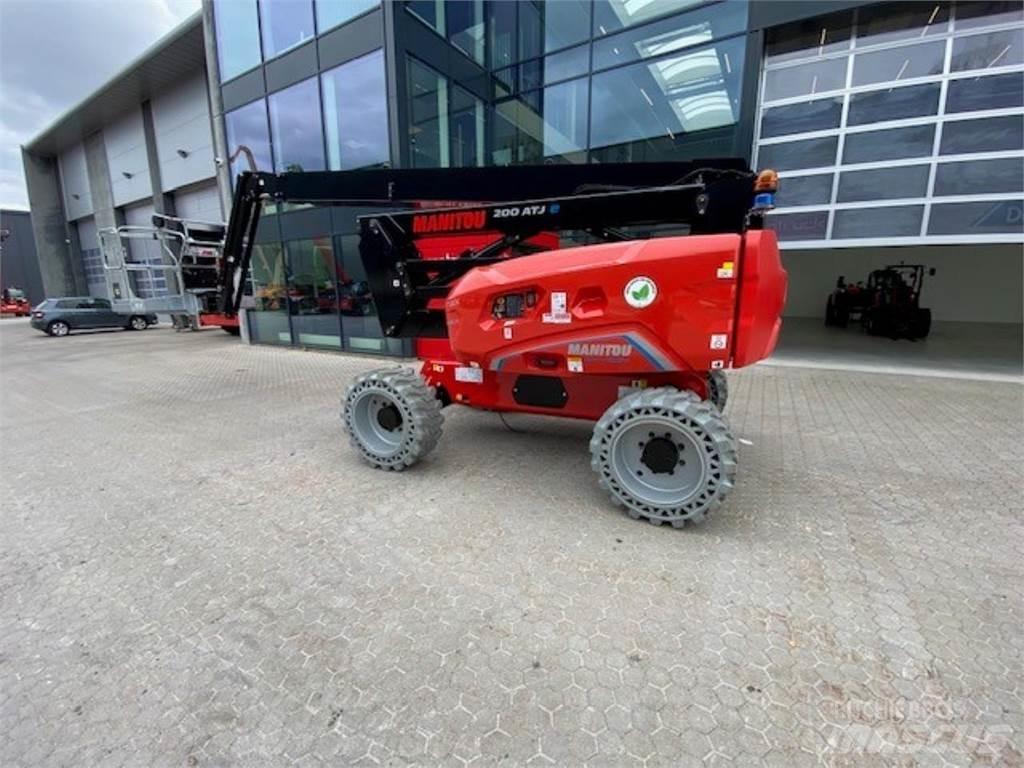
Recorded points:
(60, 267)
(162, 203)
(100, 188)
(220, 140)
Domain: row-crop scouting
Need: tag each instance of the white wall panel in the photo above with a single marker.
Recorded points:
(74, 179)
(125, 141)
(201, 202)
(181, 121)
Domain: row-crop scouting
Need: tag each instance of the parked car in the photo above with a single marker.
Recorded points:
(58, 317)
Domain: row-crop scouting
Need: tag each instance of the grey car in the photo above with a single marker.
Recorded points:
(58, 317)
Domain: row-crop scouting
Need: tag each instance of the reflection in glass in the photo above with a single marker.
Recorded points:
(806, 225)
(805, 190)
(571, 63)
(466, 128)
(295, 126)
(805, 79)
(979, 177)
(883, 183)
(248, 138)
(993, 92)
(894, 64)
(893, 104)
(894, 144)
(565, 120)
(995, 49)
(612, 15)
(669, 35)
(428, 117)
(809, 153)
(983, 218)
(312, 295)
(901, 21)
(430, 11)
(501, 34)
(803, 117)
(238, 36)
(809, 38)
(331, 13)
(990, 134)
(566, 23)
(465, 22)
(517, 134)
(285, 24)
(981, 13)
(668, 97)
(268, 319)
(858, 223)
(356, 113)
(359, 321)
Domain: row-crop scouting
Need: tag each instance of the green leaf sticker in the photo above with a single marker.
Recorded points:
(642, 292)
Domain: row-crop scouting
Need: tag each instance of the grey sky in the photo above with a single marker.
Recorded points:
(54, 53)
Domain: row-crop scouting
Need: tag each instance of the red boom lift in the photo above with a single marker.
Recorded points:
(633, 333)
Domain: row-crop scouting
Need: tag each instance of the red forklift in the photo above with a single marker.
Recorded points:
(675, 281)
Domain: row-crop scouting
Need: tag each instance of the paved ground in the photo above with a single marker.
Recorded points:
(196, 571)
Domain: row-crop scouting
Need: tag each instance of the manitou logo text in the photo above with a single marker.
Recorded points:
(591, 349)
(451, 221)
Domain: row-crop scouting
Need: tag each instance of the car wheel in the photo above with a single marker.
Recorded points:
(138, 323)
(58, 328)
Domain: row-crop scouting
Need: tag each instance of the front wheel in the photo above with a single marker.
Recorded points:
(392, 417)
(665, 455)
(718, 389)
(138, 323)
(58, 328)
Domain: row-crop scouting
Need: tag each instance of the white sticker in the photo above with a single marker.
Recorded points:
(559, 309)
(719, 340)
(717, 364)
(470, 375)
(507, 331)
(640, 292)
(575, 364)
(724, 273)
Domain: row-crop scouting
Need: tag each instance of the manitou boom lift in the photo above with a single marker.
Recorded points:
(633, 332)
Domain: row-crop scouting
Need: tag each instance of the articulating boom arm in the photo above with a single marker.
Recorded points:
(404, 188)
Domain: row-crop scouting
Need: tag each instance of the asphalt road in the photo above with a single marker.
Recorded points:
(195, 569)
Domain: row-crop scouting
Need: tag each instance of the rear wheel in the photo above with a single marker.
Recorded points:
(665, 455)
(922, 325)
(392, 417)
(58, 328)
(138, 323)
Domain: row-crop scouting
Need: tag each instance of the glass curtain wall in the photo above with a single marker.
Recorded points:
(897, 121)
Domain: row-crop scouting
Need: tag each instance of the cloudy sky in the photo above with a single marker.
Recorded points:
(53, 53)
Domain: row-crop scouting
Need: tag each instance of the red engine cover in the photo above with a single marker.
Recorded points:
(645, 306)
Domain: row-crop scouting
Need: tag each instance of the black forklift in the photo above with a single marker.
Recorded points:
(888, 304)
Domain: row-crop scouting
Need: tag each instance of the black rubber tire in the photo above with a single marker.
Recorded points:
(922, 323)
(58, 328)
(137, 323)
(718, 389)
(689, 414)
(234, 330)
(420, 411)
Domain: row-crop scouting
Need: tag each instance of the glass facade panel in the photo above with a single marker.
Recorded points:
(990, 134)
(268, 320)
(894, 64)
(356, 113)
(295, 127)
(428, 117)
(805, 79)
(238, 36)
(897, 221)
(466, 129)
(982, 13)
(429, 11)
(566, 23)
(668, 97)
(976, 177)
(669, 35)
(312, 296)
(894, 144)
(994, 49)
(359, 323)
(993, 92)
(501, 34)
(249, 138)
(893, 104)
(883, 183)
(465, 23)
(806, 225)
(285, 24)
(565, 120)
(612, 15)
(802, 117)
(888, 22)
(809, 38)
(571, 63)
(331, 13)
(982, 218)
(805, 190)
(793, 155)
(518, 134)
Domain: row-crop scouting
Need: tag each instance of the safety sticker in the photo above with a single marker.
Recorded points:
(559, 309)
(717, 365)
(575, 364)
(507, 331)
(719, 340)
(469, 375)
(726, 271)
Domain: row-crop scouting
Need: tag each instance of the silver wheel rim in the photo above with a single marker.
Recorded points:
(138, 324)
(372, 413)
(647, 477)
(60, 329)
